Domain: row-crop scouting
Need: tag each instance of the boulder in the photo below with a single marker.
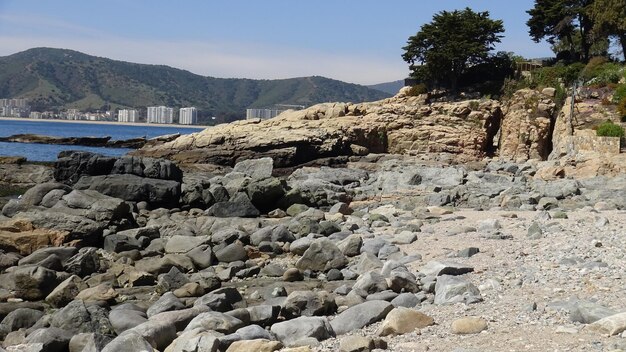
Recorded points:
(20, 235)
(33, 282)
(468, 325)
(360, 315)
(128, 342)
(133, 188)
(215, 321)
(322, 255)
(451, 289)
(20, 318)
(259, 345)
(308, 303)
(256, 169)
(404, 320)
(298, 331)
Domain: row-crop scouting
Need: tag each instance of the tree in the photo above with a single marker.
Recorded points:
(560, 20)
(444, 48)
(609, 17)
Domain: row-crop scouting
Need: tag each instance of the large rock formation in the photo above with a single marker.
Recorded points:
(526, 132)
(402, 124)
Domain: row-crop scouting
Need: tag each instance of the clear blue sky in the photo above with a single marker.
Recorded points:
(357, 41)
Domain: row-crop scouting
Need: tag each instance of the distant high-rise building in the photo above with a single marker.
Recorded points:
(128, 115)
(188, 116)
(160, 114)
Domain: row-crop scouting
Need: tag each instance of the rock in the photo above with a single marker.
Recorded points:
(292, 274)
(201, 256)
(589, 312)
(20, 318)
(128, 342)
(404, 320)
(341, 208)
(52, 339)
(322, 255)
(20, 235)
(256, 169)
(265, 194)
(103, 292)
(370, 282)
(297, 331)
(260, 345)
(190, 289)
(120, 243)
(77, 317)
(467, 252)
(357, 344)
(238, 206)
(83, 263)
(231, 253)
(611, 325)
(171, 280)
(534, 231)
(360, 315)
(165, 303)
(450, 289)
(65, 292)
(133, 188)
(250, 332)
(406, 299)
(125, 319)
(216, 321)
(158, 333)
(88, 342)
(351, 245)
(33, 282)
(195, 340)
(438, 268)
(184, 244)
(179, 318)
(308, 303)
(221, 300)
(468, 325)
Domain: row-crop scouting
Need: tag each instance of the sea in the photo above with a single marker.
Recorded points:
(49, 152)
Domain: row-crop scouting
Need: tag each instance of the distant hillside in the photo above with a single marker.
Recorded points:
(388, 87)
(61, 79)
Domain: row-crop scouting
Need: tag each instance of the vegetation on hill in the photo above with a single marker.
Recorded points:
(54, 79)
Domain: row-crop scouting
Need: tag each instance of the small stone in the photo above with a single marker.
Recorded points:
(258, 345)
(356, 344)
(468, 325)
(467, 252)
(292, 274)
(404, 320)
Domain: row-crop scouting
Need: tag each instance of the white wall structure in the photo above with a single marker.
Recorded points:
(128, 115)
(160, 114)
(188, 116)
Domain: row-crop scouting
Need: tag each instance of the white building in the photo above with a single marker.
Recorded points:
(128, 115)
(188, 116)
(160, 114)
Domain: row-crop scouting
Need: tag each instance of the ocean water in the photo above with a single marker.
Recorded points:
(48, 152)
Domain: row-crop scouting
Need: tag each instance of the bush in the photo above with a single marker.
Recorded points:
(621, 109)
(609, 129)
(417, 89)
(620, 93)
(600, 72)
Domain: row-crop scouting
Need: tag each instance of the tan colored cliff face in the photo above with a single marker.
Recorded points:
(525, 132)
(401, 124)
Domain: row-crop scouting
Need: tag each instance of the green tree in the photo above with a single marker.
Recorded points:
(444, 48)
(562, 20)
(609, 17)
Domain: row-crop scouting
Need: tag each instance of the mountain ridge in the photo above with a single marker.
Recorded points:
(53, 78)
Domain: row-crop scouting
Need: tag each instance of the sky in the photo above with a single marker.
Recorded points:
(357, 41)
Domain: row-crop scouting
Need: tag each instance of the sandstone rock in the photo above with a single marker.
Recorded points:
(611, 325)
(19, 235)
(404, 320)
(468, 325)
(259, 345)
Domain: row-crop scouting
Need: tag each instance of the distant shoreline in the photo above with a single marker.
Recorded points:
(140, 124)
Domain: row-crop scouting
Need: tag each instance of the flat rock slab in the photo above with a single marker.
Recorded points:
(360, 315)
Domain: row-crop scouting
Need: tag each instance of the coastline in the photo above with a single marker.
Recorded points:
(140, 124)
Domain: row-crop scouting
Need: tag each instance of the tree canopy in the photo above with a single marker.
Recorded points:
(443, 49)
(609, 17)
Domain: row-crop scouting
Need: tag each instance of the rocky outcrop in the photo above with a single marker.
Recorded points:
(19, 235)
(84, 141)
(526, 126)
(402, 124)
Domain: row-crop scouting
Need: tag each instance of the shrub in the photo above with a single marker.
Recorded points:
(609, 129)
(417, 89)
(620, 93)
(599, 72)
(621, 109)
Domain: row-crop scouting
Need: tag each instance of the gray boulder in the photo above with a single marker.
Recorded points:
(308, 303)
(128, 342)
(215, 321)
(322, 255)
(133, 188)
(18, 319)
(360, 315)
(437, 268)
(256, 169)
(296, 332)
(238, 206)
(451, 289)
(53, 339)
(165, 303)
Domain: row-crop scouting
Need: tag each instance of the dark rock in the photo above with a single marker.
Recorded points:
(296, 332)
(264, 194)
(322, 255)
(231, 253)
(308, 303)
(77, 317)
(33, 282)
(20, 318)
(53, 339)
(165, 303)
(134, 188)
(238, 206)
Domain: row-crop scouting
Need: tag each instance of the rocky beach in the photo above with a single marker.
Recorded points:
(406, 224)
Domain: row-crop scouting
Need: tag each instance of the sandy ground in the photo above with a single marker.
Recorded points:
(516, 273)
(104, 122)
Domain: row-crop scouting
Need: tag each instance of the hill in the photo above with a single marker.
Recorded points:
(388, 87)
(62, 79)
